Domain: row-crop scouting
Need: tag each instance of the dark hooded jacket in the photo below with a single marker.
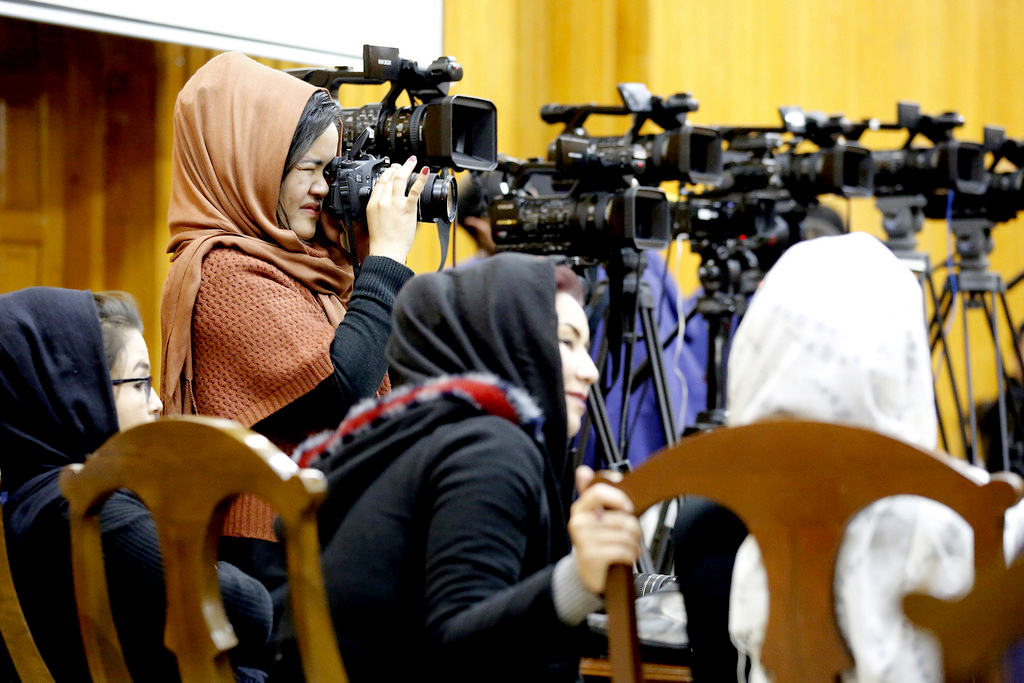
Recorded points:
(448, 502)
(56, 407)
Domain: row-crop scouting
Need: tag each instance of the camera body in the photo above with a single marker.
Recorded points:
(351, 177)
(947, 165)
(682, 151)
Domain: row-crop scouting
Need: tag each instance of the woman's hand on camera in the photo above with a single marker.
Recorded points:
(391, 214)
(603, 529)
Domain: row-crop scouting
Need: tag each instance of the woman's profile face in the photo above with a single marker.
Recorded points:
(578, 370)
(136, 401)
(304, 188)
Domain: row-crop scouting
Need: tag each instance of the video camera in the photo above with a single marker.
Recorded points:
(1003, 197)
(445, 131)
(768, 186)
(947, 165)
(681, 152)
(596, 195)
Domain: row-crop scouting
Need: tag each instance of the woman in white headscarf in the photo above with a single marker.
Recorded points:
(836, 333)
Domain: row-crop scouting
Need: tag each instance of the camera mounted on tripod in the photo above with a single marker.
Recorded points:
(594, 196)
(948, 164)
(1003, 196)
(682, 151)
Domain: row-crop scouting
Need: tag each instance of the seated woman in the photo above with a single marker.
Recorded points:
(445, 547)
(836, 334)
(74, 370)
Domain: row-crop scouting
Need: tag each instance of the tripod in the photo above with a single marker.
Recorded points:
(630, 300)
(979, 288)
(902, 218)
(729, 274)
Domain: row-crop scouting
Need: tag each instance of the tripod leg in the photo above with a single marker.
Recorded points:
(939, 322)
(940, 312)
(664, 399)
(607, 449)
(972, 446)
(1001, 380)
(942, 343)
(1018, 415)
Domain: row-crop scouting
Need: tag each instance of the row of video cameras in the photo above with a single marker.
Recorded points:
(594, 195)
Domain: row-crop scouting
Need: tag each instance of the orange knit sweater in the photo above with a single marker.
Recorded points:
(260, 340)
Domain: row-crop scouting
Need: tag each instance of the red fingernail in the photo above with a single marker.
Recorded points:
(425, 170)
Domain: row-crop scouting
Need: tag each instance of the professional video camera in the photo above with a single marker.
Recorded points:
(1003, 197)
(947, 165)
(757, 210)
(766, 157)
(681, 152)
(445, 131)
(595, 195)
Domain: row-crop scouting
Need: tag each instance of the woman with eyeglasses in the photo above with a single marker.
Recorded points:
(75, 370)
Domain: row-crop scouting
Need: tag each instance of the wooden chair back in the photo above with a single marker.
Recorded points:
(186, 470)
(976, 630)
(21, 647)
(795, 485)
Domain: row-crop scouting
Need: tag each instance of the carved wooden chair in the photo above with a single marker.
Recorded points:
(186, 470)
(976, 630)
(21, 646)
(795, 485)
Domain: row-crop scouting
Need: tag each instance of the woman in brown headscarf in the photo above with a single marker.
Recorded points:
(262, 320)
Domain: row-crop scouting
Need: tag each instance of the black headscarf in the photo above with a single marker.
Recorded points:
(495, 316)
(56, 401)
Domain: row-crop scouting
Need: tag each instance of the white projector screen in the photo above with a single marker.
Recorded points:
(313, 34)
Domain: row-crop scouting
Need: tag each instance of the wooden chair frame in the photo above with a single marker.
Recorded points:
(186, 470)
(796, 484)
(20, 645)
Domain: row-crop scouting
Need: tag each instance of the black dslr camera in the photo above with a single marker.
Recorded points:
(351, 178)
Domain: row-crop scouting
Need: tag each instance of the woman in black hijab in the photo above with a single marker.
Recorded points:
(71, 364)
(445, 544)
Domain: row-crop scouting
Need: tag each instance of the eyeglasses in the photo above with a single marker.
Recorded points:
(148, 380)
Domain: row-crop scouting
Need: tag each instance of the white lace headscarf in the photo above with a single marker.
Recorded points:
(836, 333)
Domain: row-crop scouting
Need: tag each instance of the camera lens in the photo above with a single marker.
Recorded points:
(439, 199)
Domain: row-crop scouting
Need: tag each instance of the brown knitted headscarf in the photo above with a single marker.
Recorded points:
(233, 124)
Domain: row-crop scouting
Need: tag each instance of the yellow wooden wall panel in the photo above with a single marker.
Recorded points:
(744, 58)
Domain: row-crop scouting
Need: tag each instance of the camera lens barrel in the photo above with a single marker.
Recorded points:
(439, 200)
(590, 224)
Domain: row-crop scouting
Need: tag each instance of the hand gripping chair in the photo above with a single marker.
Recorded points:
(20, 645)
(187, 470)
(795, 485)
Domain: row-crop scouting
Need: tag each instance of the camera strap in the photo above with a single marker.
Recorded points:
(444, 229)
